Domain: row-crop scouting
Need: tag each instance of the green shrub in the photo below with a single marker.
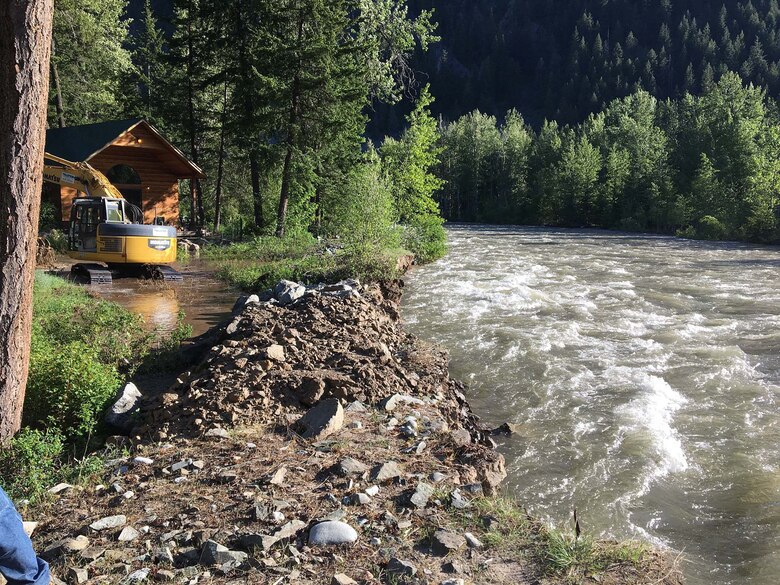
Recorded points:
(711, 228)
(68, 387)
(425, 238)
(761, 226)
(30, 463)
(48, 217)
(58, 240)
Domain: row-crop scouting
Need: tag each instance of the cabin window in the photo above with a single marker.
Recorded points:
(128, 181)
(123, 175)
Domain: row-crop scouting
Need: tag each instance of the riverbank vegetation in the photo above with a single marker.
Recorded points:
(82, 349)
(704, 167)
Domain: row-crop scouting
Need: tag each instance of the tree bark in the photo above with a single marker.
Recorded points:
(292, 127)
(57, 89)
(25, 49)
(257, 194)
(196, 199)
(244, 86)
(221, 162)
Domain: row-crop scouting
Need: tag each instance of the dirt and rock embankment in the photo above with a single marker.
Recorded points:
(315, 442)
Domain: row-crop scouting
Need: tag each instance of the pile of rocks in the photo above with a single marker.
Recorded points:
(318, 442)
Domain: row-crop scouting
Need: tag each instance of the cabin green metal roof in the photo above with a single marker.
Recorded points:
(80, 143)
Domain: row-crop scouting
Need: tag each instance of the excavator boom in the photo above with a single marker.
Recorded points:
(80, 176)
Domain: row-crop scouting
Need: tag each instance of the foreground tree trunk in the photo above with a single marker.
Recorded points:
(25, 47)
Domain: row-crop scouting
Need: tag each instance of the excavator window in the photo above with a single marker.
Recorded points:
(114, 211)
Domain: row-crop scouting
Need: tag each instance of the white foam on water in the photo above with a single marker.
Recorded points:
(652, 412)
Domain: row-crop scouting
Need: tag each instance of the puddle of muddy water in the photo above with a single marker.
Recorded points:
(204, 300)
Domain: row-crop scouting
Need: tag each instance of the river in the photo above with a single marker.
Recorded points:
(643, 372)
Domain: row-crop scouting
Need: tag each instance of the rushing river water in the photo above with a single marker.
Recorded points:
(644, 373)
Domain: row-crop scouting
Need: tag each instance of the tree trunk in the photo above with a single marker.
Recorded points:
(257, 194)
(57, 89)
(221, 162)
(292, 126)
(25, 48)
(195, 190)
(244, 87)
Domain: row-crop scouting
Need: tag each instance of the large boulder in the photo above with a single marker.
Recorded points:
(287, 291)
(322, 420)
(121, 414)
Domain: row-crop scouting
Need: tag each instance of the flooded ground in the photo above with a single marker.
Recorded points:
(204, 300)
(644, 375)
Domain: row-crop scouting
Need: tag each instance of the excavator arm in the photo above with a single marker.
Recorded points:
(80, 176)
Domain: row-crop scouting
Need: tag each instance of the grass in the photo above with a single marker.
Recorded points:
(259, 264)
(559, 553)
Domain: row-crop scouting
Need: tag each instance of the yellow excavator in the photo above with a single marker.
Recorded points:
(107, 231)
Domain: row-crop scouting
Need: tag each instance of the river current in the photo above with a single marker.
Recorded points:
(643, 372)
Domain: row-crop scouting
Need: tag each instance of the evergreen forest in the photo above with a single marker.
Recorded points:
(657, 116)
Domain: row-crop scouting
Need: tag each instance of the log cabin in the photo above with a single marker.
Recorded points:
(136, 158)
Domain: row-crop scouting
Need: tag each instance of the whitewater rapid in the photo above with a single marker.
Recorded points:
(644, 375)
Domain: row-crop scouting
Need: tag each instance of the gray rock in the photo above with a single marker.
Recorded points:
(342, 579)
(444, 542)
(356, 406)
(386, 471)
(128, 534)
(136, 576)
(214, 553)
(323, 420)
(350, 466)
(360, 499)
(289, 530)
(421, 495)
(331, 532)
(437, 477)
(287, 291)
(398, 567)
(109, 522)
(217, 433)
(472, 540)
(461, 437)
(275, 352)
(122, 413)
(394, 401)
(59, 488)
(63, 546)
(453, 582)
(77, 576)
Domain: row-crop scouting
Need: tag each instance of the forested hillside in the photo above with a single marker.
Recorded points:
(564, 60)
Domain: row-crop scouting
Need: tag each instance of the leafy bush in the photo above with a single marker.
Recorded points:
(264, 248)
(711, 228)
(58, 240)
(30, 462)
(425, 238)
(48, 217)
(68, 388)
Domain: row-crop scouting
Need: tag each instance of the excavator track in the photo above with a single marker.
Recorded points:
(161, 272)
(91, 273)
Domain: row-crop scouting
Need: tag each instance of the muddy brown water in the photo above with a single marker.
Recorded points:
(644, 373)
(204, 300)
